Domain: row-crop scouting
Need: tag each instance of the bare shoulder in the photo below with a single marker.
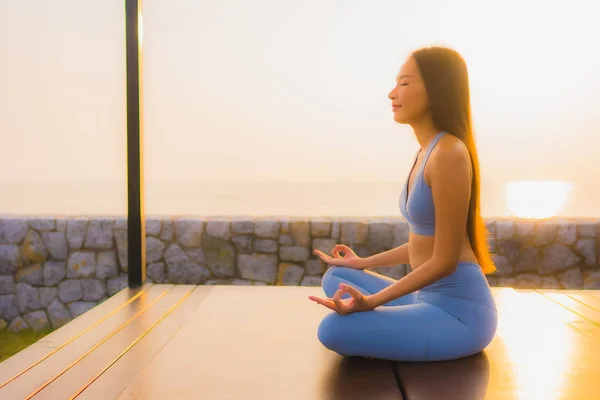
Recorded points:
(450, 153)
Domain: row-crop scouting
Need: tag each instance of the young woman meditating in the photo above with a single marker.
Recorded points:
(443, 309)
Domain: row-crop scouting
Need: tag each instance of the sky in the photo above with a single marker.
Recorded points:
(289, 91)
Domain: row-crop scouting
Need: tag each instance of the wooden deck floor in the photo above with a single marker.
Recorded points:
(250, 342)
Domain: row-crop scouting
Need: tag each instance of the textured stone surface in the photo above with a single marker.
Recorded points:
(99, 234)
(93, 289)
(57, 267)
(76, 229)
(153, 226)
(586, 248)
(189, 232)
(545, 233)
(54, 272)
(381, 237)
(529, 260)
(18, 325)
(557, 257)
(219, 257)
(31, 275)
(156, 272)
(47, 294)
(550, 282)
(571, 279)
(154, 249)
(504, 230)
(300, 233)
(168, 230)
(325, 245)
(567, 233)
(122, 249)
(294, 253)
(56, 243)
(78, 308)
(34, 250)
(591, 280)
(58, 314)
(320, 228)
(182, 269)
(503, 267)
(529, 281)
(43, 224)
(265, 246)
(37, 320)
(354, 233)
(268, 229)
(117, 284)
(285, 240)
(7, 284)
(106, 266)
(400, 234)
(28, 298)
(311, 281)
(81, 264)
(9, 308)
(243, 243)
(261, 267)
(70, 290)
(315, 267)
(10, 259)
(289, 274)
(243, 227)
(219, 229)
(12, 230)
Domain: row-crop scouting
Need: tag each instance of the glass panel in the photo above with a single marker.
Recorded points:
(268, 107)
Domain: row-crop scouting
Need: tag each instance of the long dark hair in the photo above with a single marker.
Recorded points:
(446, 79)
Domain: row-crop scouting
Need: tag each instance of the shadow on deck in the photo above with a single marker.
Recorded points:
(252, 342)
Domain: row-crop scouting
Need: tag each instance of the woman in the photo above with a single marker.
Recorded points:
(443, 309)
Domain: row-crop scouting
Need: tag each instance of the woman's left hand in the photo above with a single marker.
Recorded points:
(357, 303)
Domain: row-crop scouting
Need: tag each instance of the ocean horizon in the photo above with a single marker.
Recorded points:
(259, 198)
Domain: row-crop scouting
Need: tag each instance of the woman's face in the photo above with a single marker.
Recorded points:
(409, 96)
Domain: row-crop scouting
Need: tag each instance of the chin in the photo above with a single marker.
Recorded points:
(399, 119)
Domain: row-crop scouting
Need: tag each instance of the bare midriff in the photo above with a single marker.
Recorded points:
(420, 250)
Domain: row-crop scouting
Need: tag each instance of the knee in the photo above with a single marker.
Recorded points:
(339, 272)
(328, 331)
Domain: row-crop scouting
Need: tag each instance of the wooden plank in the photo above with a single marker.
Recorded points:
(34, 354)
(116, 375)
(586, 299)
(536, 354)
(573, 305)
(72, 379)
(259, 343)
(53, 366)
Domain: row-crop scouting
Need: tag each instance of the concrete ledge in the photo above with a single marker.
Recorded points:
(53, 269)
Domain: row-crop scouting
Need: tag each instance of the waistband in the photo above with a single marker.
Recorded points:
(467, 282)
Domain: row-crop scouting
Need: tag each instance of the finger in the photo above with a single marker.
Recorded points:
(355, 293)
(324, 302)
(341, 307)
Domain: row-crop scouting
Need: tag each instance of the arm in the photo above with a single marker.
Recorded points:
(397, 255)
(451, 185)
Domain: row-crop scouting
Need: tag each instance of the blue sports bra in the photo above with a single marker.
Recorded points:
(416, 205)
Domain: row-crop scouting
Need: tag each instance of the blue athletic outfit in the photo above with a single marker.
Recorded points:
(451, 318)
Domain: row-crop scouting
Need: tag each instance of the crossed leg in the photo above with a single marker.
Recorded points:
(367, 282)
(406, 329)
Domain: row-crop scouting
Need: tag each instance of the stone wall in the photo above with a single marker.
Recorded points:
(54, 269)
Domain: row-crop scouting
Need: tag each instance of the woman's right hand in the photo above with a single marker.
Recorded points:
(350, 259)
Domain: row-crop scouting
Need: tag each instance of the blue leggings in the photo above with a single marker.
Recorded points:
(452, 318)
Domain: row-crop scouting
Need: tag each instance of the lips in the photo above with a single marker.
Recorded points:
(396, 106)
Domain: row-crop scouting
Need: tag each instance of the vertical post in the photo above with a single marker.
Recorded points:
(135, 178)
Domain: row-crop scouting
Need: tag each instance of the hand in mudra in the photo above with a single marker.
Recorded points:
(350, 259)
(357, 303)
